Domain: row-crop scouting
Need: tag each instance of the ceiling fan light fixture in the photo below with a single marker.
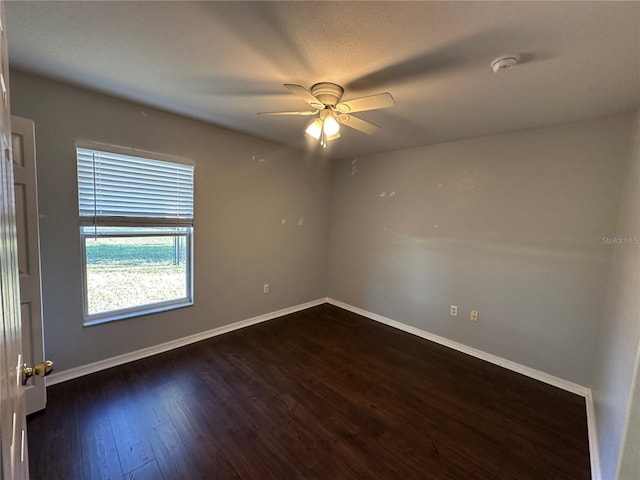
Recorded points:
(334, 136)
(330, 126)
(314, 129)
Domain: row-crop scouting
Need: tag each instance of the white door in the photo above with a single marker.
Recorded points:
(24, 181)
(13, 440)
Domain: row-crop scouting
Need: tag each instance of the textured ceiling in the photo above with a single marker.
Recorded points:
(224, 61)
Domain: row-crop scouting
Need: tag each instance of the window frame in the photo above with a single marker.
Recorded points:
(139, 222)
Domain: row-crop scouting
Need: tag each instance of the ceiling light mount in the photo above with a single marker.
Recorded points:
(504, 62)
(327, 93)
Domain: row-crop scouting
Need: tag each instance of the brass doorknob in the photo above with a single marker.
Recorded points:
(42, 370)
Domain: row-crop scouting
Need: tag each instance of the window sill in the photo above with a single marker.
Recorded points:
(89, 322)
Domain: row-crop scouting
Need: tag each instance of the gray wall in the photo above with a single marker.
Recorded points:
(510, 225)
(244, 187)
(620, 334)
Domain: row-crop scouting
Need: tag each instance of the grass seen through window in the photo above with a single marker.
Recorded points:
(125, 272)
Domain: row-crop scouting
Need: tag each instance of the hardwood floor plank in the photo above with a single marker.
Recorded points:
(148, 471)
(64, 470)
(319, 394)
(52, 428)
(99, 453)
(129, 431)
(173, 459)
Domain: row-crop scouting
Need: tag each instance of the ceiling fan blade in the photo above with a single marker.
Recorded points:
(357, 124)
(309, 112)
(305, 94)
(372, 102)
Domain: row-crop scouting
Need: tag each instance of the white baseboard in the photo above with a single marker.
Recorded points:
(508, 364)
(63, 376)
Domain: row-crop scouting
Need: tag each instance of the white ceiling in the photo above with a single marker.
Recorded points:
(224, 61)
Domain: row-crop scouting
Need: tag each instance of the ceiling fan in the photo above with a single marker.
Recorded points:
(325, 99)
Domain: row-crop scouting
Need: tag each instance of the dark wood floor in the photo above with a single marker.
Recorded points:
(321, 393)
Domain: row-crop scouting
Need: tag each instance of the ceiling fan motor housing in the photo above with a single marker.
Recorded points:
(327, 93)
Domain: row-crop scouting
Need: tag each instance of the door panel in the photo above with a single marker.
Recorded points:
(26, 198)
(13, 437)
(21, 217)
(12, 404)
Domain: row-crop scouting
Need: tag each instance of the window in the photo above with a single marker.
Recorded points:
(136, 228)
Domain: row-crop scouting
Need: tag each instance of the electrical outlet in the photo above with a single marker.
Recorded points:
(265, 288)
(453, 310)
(474, 316)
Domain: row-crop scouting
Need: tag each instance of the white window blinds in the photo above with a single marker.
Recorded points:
(116, 188)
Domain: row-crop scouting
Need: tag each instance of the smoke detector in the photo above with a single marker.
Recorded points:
(505, 62)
